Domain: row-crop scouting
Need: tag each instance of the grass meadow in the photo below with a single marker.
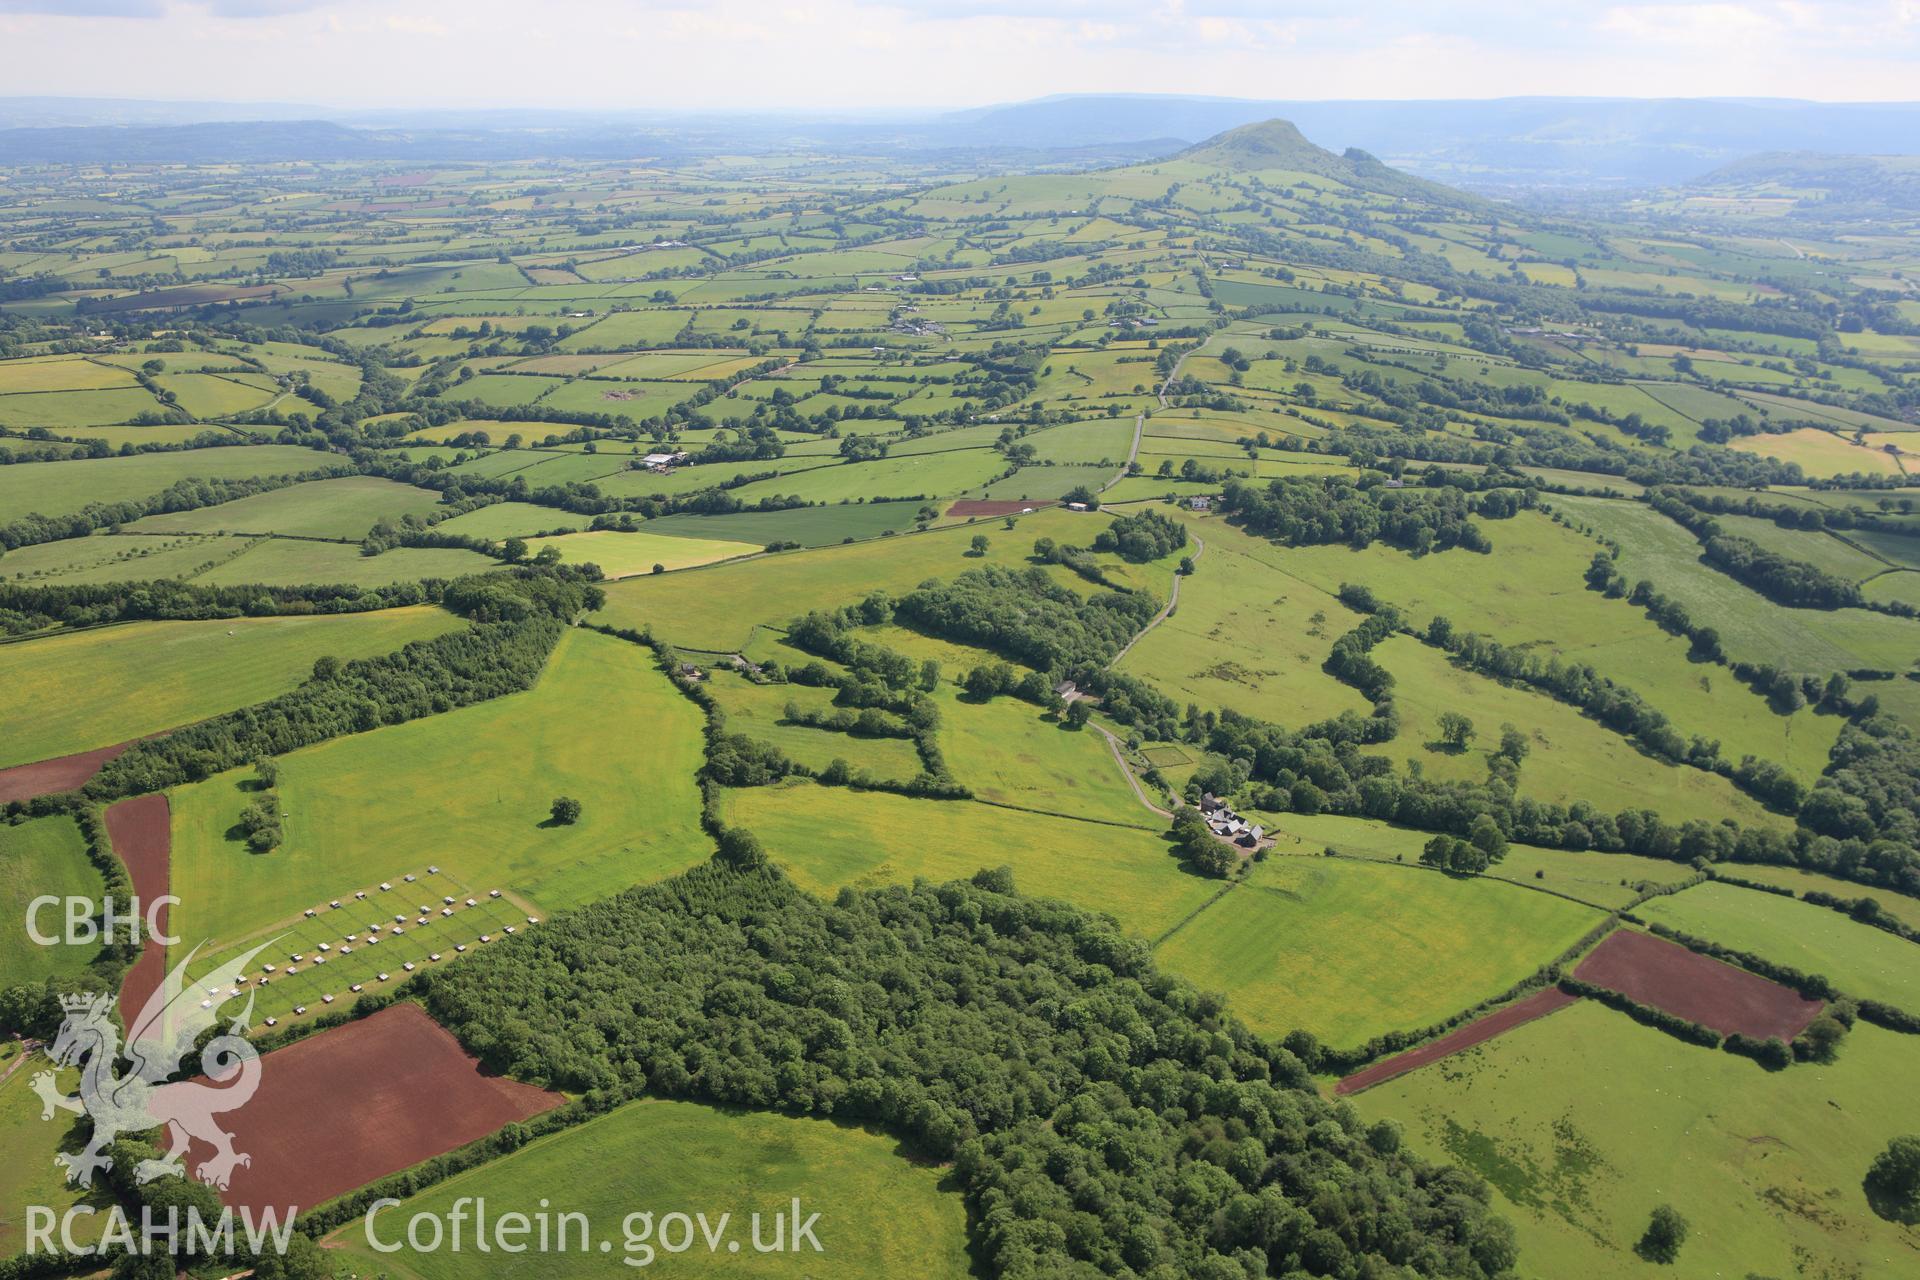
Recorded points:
(757, 710)
(717, 608)
(1585, 1120)
(1860, 959)
(348, 507)
(1751, 627)
(1529, 591)
(43, 856)
(467, 790)
(1606, 880)
(882, 1214)
(29, 1176)
(1571, 757)
(294, 561)
(61, 488)
(107, 686)
(1902, 907)
(1350, 949)
(1011, 752)
(1248, 637)
(831, 837)
(627, 555)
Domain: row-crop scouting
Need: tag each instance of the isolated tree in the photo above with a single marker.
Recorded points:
(565, 810)
(1078, 713)
(979, 544)
(659, 568)
(1893, 1181)
(1486, 836)
(266, 773)
(548, 554)
(1666, 1232)
(1186, 564)
(514, 549)
(1455, 730)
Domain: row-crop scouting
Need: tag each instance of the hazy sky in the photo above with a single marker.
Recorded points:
(872, 54)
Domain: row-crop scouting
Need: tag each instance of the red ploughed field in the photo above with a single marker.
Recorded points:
(355, 1103)
(1698, 988)
(141, 830)
(993, 507)
(1538, 1005)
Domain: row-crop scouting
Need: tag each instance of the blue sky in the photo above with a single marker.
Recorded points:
(863, 54)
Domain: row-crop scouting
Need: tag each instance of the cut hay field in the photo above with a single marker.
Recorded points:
(626, 555)
(809, 526)
(929, 475)
(1859, 959)
(1349, 949)
(1766, 1166)
(98, 688)
(830, 837)
(718, 608)
(38, 857)
(882, 1214)
(348, 507)
(468, 790)
(61, 488)
(1530, 592)
(1753, 628)
(1820, 454)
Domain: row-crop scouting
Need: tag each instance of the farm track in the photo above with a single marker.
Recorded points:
(1140, 419)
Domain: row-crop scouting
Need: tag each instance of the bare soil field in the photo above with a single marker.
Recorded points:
(142, 833)
(355, 1103)
(1538, 1005)
(62, 773)
(1698, 988)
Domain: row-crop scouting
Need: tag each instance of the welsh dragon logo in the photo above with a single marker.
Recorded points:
(143, 1098)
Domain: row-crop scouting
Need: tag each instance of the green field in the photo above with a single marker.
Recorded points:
(42, 857)
(1900, 906)
(1012, 752)
(61, 488)
(809, 526)
(345, 508)
(626, 555)
(602, 725)
(29, 1176)
(882, 1214)
(830, 837)
(296, 562)
(1752, 628)
(1248, 636)
(107, 686)
(1570, 757)
(757, 710)
(1348, 950)
(1530, 592)
(1604, 879)
(1859, 959)
(512, 520)
(718, 608)
(1584, 1121)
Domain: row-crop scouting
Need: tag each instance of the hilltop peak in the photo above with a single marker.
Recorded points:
(1279, 144)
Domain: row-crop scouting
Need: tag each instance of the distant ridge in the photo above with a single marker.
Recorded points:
(1279, 144)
